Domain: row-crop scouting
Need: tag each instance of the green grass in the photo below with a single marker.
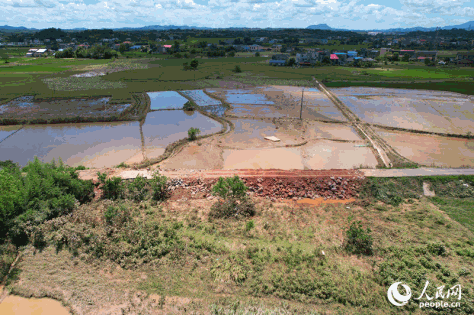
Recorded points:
(272, 262)
(49, 77)
(461, 210)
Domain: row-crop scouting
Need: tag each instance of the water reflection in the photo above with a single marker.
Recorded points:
(104, 144)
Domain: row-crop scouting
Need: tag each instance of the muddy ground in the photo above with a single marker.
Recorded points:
(431, 150)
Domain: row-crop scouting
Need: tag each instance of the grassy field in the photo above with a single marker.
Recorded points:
(173, 257)
(49, 77)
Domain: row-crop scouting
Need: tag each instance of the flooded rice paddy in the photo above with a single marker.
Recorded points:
(6, 131)
(104, 144)
(317, 130)
(201, 98)
(433, 111)
(26, 107)
(166, 100)
(431, 150)
(322, 154)
(280, 101)
(15, 305)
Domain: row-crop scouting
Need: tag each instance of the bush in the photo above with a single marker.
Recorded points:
(188, 106)
(291, 62)
(230, 188)
(159, 186)
(116, 215)
(192, 133)
(137, 189)
(237, 69)
(358, 241)
(231, 208)
(257, 54)
(194, 64)
(38, 192)
(112, 188)
(235, 204)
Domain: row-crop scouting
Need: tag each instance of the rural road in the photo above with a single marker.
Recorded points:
(129, 174)
(423, 171)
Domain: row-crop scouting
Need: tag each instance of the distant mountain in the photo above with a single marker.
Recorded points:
(409, 29)
(466, 26)
(160, 28)
(14, 28)
(319, 27)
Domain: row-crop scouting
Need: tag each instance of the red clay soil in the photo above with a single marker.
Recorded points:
(278, 187)
(272, 184)
(272, 173)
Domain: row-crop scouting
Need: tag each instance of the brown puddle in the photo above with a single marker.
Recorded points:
(16, 305)
(320, 201)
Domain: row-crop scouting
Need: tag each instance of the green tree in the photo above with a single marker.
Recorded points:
(406, 57)
(3, 55)
(257, 54)
(122, 48)
(192, 133)
(194, 64)
(237, 69)
(291, 62)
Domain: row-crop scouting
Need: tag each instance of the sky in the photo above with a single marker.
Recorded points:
(347, 14)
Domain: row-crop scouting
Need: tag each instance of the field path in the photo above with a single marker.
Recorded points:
(245, 173)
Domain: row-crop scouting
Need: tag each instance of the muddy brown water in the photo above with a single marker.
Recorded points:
(16, 305)
(431, 150)
(104, 144)
(441, 112)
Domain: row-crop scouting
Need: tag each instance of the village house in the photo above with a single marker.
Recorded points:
(40, 52)
(424, 54)
(465, 58)
(278, 60)
(404, 52)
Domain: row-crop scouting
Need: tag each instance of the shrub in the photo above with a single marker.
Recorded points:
(192, 133)
(230, 188)
(237, 69)
(257, 54)
(112, 188)
(231, 208)
(116, 215)
(159, 186)
(194, 64)
(358, 241)
(137, 189)
(188, 106)
(38, 192)
(291, 62)
(249, 225)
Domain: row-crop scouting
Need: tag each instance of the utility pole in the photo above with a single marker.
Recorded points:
(301, 110)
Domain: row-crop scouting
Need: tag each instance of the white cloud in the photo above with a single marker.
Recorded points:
(224, 13)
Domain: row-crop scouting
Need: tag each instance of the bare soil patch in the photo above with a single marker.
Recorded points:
(431, 150)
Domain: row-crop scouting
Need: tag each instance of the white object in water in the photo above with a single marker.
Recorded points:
(272, 138)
